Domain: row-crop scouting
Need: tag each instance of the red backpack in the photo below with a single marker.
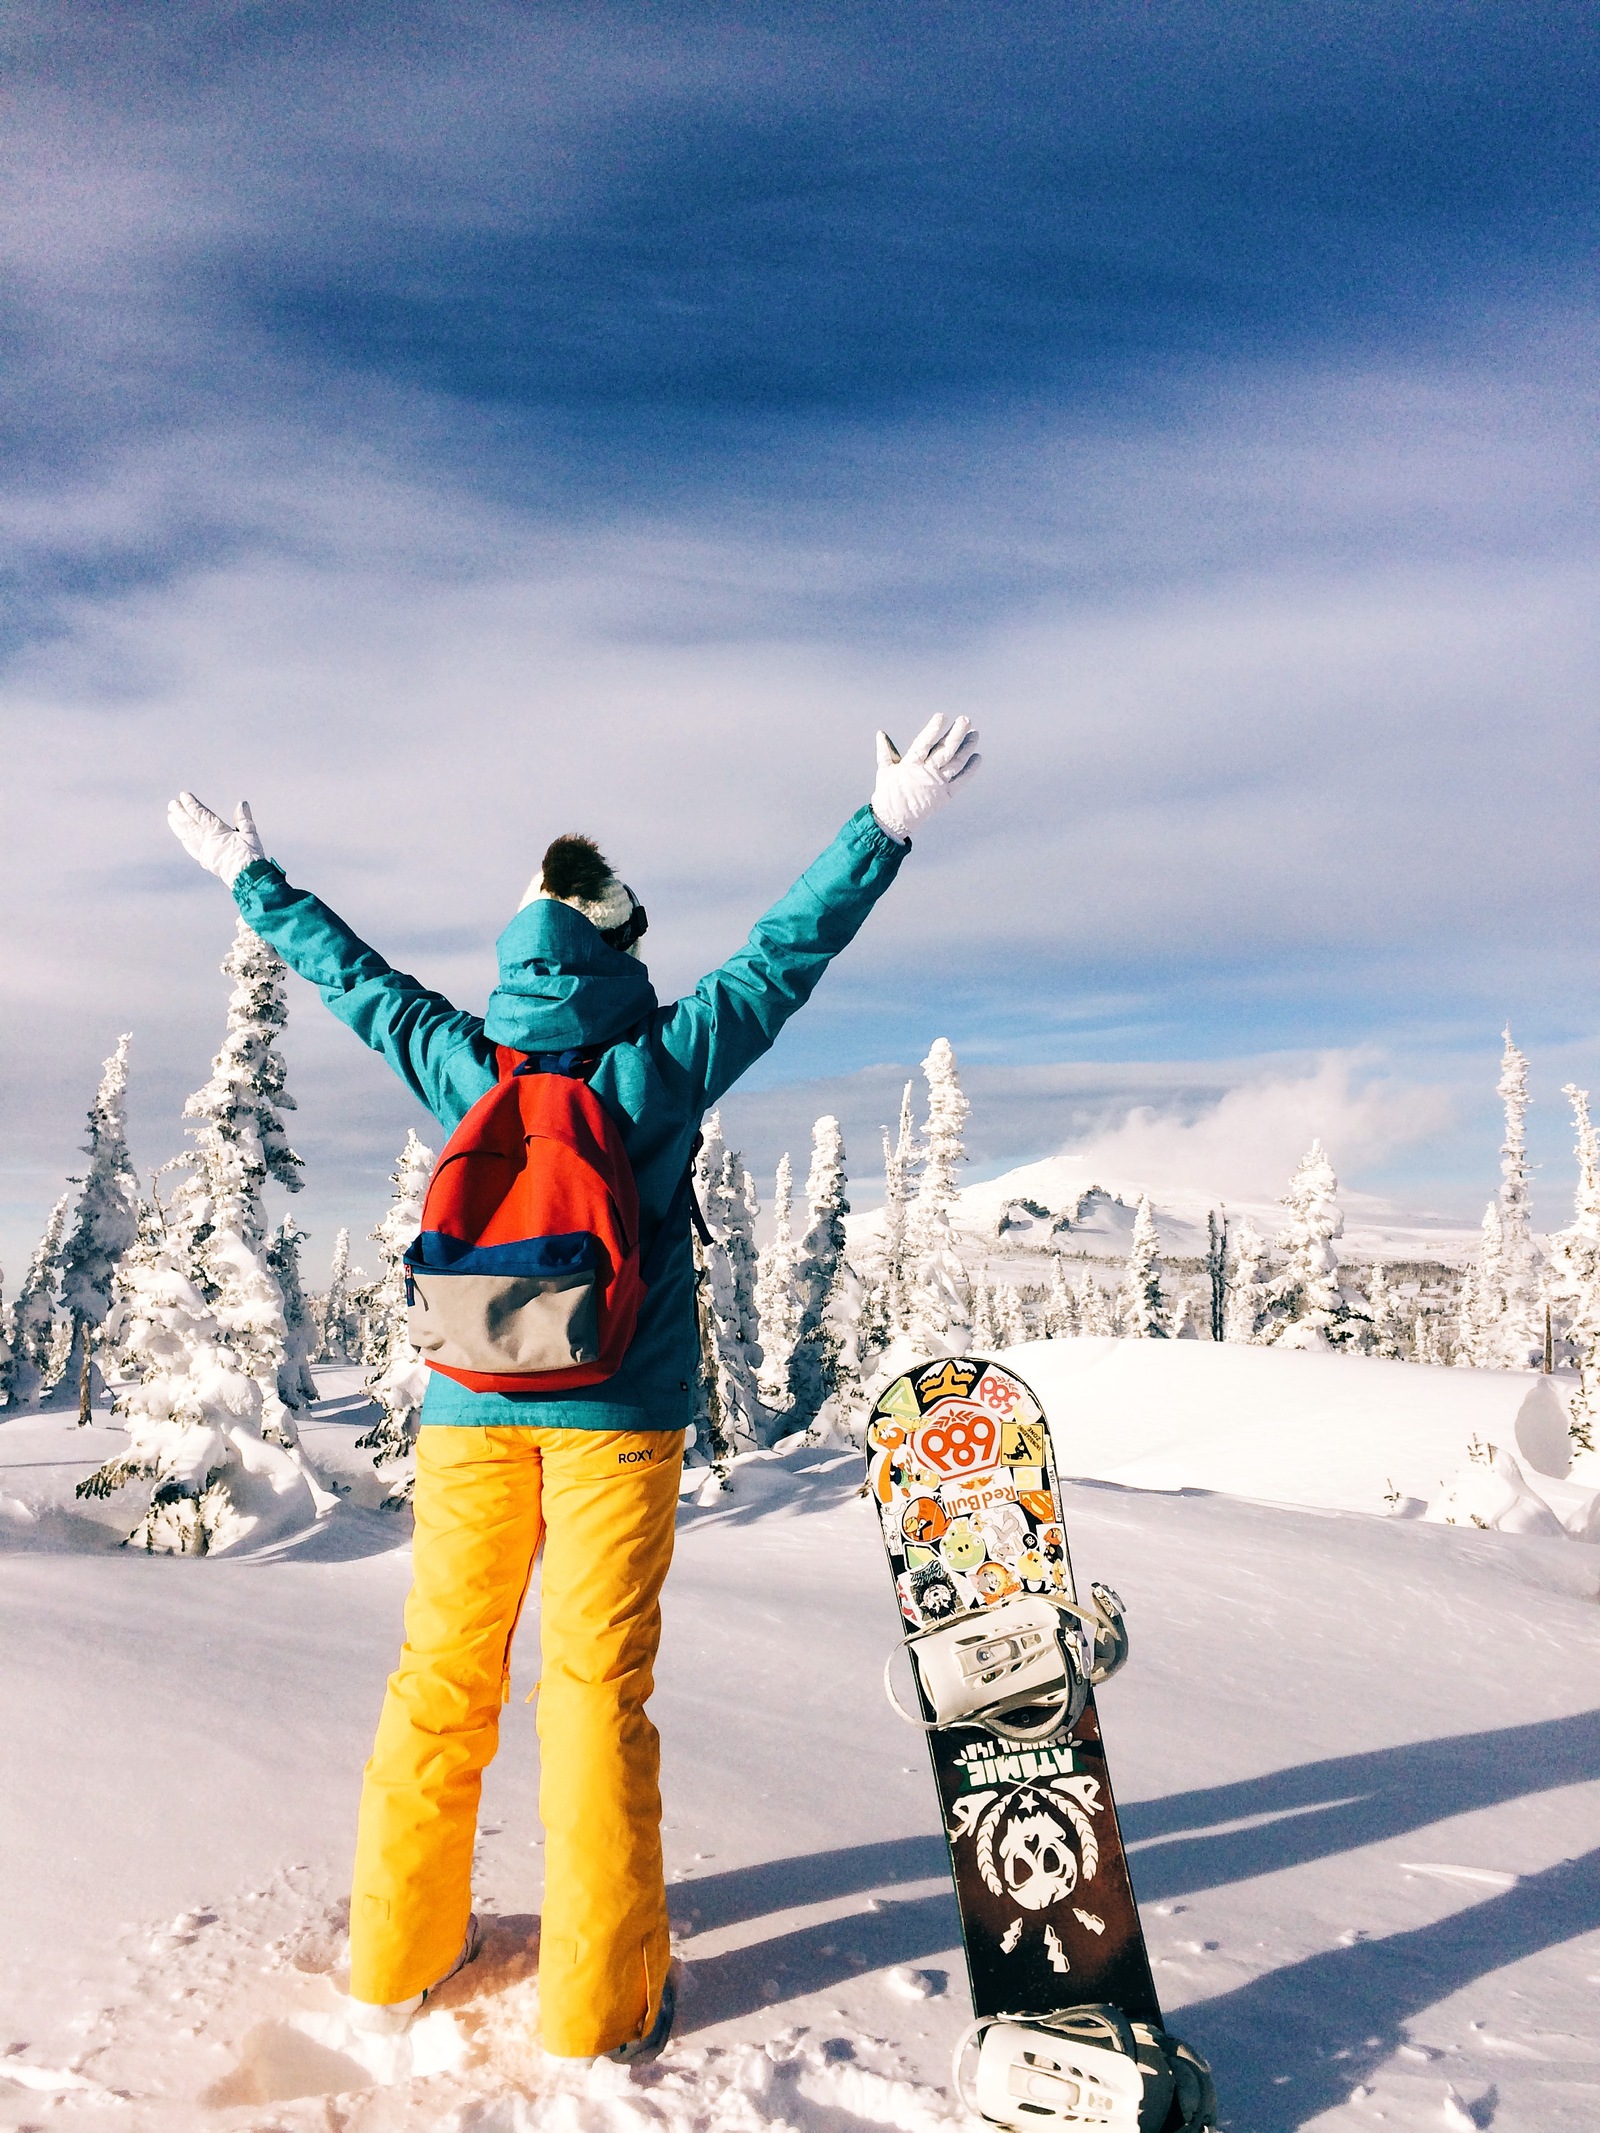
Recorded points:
(525, 1277)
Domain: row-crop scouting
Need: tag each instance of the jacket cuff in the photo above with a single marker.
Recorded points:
(869, 831)
(254, 876)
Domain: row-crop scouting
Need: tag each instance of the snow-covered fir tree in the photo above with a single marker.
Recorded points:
(1427, 1345)
(30, 1329)
(1216, 1264)
(297, 1388)
(1183, 1324)
(1501, 1317)
(777, 1300)
(708, 1440)
(980, 1313)
(1575, 1273)
(1096, 1317)
(397, 1376)
(1247, 1316)
(1309, 1307)
(1007, 1315)
(1060, 1305)
(826, 1358)
(337, 1340)
(103, 1227)
(1479, 1299)
(1387, 1337)
(1144, 1312)
(899, 1182)
(196, 1335)
(939, 1301)
(1521, 1303)
(728, 1202)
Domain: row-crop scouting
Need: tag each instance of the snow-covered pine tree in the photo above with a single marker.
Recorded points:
(939, 1302)
(1145, 1316)
(728, 1201)
(1521, 1304)
(872, 1324)
(1060, 1305)
(1384, 1308)
(333, 1312)
(980, 1313)
(1183, 1325)
(397, 1377)
(1426, 1346)
(195, 1338)
(777, 1300)
(297, 1388)
(708, 1439)
(1478, 1300)
(825, 1361)
(1575, 1271)
(104, 1226)
(1247, 1317)
(30, 1328)
(1217, 1272)
(1309, 1307)
(899, 1172)
(1096, 1319)
(240, 1143)
(1008, 1317)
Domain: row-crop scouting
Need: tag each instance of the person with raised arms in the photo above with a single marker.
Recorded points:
(553, 1296)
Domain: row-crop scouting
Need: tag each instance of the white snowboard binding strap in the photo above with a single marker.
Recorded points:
(1032, 1652)
(1026, 1653)
(1087, 2066)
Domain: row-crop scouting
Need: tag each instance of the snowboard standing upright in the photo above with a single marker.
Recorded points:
(961, 1472)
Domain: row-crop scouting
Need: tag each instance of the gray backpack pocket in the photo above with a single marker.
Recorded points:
(509, 1310)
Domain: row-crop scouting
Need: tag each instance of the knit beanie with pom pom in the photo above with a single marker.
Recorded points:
(574, 871)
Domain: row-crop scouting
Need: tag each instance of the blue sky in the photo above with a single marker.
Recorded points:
(453, 425)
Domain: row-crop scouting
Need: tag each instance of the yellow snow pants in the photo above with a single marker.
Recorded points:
(603, 1504)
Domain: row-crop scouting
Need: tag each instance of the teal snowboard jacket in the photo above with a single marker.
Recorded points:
(561, 986)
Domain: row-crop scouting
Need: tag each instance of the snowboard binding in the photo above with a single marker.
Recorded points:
(1086, 2066)
(1033, 1653)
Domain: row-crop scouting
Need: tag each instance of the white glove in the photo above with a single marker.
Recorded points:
(206, 837)
(917, 784)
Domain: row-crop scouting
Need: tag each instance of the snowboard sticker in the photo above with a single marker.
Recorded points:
(962, 1476)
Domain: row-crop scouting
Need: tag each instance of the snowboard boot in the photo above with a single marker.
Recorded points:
(1110, 1633)
(394, 2017)
(1087, 2066)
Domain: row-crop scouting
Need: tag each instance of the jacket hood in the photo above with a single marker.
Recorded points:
(561, 985)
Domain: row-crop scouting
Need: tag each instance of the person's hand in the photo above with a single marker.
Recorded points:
(917, 784)
(206, 837)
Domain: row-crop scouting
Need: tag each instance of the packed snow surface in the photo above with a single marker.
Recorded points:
(1357, 1756)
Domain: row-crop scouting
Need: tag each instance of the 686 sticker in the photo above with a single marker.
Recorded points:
(998, 1394)
(958, 1440)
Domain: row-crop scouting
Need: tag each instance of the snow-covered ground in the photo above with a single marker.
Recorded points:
(1358, 1759)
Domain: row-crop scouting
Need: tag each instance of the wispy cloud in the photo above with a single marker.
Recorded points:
(609, 420)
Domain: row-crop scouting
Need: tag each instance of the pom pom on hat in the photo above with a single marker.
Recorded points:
(575, 871)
